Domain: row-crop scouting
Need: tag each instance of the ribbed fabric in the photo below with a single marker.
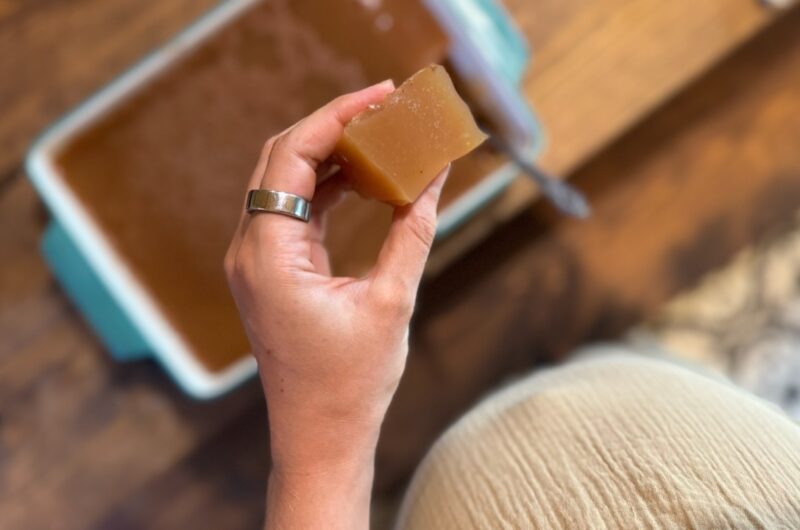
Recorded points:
(616, 442)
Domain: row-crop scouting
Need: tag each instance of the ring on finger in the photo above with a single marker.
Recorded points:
(280, 202)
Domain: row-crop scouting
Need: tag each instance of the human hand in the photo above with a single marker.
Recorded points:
(330, 350)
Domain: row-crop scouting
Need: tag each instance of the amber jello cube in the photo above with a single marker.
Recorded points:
(392, 151)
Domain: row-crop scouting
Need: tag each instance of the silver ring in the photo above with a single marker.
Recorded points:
(278, 202)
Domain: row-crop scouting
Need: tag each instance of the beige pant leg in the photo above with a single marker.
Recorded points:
(612, 442)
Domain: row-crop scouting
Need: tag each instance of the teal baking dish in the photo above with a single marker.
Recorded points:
(123, 313)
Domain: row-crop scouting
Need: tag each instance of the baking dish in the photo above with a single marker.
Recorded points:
(123, 312)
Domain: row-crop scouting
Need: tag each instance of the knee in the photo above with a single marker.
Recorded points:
(579, 444)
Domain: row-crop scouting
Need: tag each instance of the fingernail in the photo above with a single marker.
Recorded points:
(386, 84)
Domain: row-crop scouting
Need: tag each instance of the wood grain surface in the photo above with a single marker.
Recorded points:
(86, 443)
(714, 169)
(598, 67)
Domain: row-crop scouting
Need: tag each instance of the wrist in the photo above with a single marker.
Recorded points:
(322, 458)
(301, 445)
(311, 429)
(336, 495)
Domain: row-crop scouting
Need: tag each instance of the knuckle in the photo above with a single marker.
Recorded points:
(423, 228)
(393, 298)
(240, 269)
(299, 144)
(234, 271)
(279, 142)
(266, 149)
(228, 265)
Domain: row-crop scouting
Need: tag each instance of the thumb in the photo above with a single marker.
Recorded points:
(405, 251)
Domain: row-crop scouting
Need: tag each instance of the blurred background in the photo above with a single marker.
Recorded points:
(126, 396)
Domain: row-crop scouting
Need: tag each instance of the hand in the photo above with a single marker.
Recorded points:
(330, 350)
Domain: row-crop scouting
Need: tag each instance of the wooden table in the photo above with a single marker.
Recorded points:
(711, 166)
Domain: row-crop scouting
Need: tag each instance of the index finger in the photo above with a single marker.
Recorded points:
(292, 165)
(297, 153)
